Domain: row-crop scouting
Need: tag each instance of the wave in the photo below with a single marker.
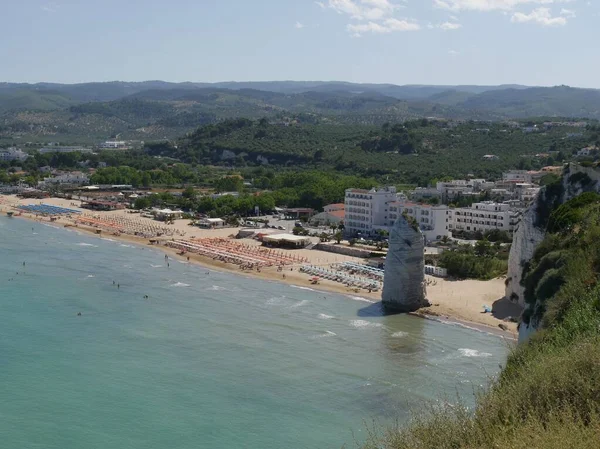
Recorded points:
(275, 300)
(466, 352)
(325, 317)
(399, 334)
(180, 284)
(106, 240)
(91, 276)
(87, 244)
(155, 266)
(302, 288)
(126, 246)
(363, 324)
(358, 298)
(325, 335)
(300, 304)
(217, 288)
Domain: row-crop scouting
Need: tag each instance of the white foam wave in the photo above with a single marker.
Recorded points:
(87, 244)
(126, 246)
(358, 298)
(275, 300)
(107, 240)
(325, 335)
(400, 334)
(302, 288)
(300, 304)
(466, 352)
(363, 324)
(155, 266)
(180, 284)
(91, 276)
(324, 316)
(216, 288)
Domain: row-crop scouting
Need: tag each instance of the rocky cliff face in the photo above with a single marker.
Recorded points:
(531, 230)
(404, 281)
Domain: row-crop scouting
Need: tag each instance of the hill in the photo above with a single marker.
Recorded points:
(150, 110)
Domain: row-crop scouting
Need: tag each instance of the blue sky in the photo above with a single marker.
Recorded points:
(534, 42)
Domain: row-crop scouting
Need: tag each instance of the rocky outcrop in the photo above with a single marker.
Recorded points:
(404, 281)
(526, 238)
(532, 228)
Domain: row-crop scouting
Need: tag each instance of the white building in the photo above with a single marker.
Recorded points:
(114, 144)
(485, 216)
(517, 175)
(425, 193)
(12, 154)
(368, 210)
(74, 178)
(434, 221)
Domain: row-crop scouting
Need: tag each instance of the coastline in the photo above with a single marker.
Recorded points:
(453, 302)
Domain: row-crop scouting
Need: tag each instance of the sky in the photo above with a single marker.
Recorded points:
(484, 42)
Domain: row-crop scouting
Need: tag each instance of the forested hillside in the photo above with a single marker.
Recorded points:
(414, 152)
(159, 110)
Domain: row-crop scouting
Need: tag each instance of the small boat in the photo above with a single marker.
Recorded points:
(10, 213)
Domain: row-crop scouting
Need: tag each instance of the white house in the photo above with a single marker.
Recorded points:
(587, 151)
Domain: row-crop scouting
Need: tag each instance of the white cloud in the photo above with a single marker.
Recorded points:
(453, 52)
(569, 13)
(364, 9)
(50, 7)
(387, 26)
(372, 16)
(541, 16)
(450, 26)
(320, 4)
(491, 5)
(298, 25)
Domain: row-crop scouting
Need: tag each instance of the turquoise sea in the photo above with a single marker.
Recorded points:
(209, 360)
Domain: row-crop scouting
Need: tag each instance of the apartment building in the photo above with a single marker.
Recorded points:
(485, 216)
(366, 211)
(434, 221)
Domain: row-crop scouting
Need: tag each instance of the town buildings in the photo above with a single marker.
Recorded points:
(12, 154)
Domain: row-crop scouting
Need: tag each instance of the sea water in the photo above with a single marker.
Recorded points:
(209, 359)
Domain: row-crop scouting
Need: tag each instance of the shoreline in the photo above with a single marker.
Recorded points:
(443, 313)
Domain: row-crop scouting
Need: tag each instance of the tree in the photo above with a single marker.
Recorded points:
(142, 203)
(338, 237)
(189, 193)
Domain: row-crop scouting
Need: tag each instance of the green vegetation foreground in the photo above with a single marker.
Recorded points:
(548, 395)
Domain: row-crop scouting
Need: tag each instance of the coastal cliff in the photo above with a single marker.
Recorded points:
(532, 229)
(547, 395)
(404, 279)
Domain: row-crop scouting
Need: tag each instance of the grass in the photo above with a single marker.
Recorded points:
(548, 396)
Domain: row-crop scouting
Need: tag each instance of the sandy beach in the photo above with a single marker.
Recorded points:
(462, 301)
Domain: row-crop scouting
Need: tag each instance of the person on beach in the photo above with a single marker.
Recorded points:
(118, 285)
